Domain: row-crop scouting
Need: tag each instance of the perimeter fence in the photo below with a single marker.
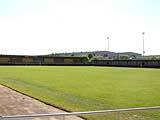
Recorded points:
(144, 113)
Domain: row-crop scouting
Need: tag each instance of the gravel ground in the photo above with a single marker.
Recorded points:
(14, 103)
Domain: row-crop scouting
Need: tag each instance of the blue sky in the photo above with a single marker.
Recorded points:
(21, 7)
(45, 26)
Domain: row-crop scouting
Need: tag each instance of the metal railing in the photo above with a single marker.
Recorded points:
(65, 114)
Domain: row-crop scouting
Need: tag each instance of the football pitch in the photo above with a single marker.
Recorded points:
(76, 88)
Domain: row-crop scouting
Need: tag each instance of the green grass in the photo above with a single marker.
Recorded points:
(86, 88)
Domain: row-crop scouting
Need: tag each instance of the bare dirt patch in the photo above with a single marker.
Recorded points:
(14, 103)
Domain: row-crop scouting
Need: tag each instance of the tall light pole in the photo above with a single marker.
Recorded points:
(143, 33)
(108, 42)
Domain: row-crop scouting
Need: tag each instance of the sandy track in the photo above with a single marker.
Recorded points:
(14, 103)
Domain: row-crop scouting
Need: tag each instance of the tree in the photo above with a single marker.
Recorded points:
(153, 58)
(90, 56)
(84, 59)
(124, 57)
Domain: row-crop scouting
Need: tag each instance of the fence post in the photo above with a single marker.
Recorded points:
(1, 118)
(63, 117)
(118, 116)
